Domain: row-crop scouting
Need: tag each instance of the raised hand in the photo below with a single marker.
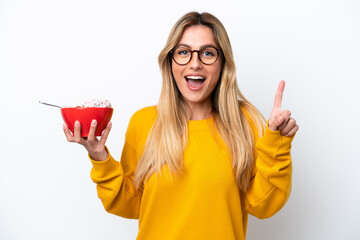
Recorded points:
(281, 120)
(95, 146)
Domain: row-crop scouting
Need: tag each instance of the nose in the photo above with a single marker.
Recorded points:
(195, 62)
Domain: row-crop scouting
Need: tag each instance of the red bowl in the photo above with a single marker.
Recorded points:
(85, 117)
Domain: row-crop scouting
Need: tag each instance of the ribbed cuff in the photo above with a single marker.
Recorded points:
(104, 169)
(273, 143)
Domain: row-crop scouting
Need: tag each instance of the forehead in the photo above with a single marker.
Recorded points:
(197, 36)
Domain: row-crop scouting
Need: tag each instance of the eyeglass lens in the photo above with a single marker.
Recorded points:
(182, 55)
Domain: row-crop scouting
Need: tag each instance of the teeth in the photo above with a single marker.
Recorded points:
(195, 77)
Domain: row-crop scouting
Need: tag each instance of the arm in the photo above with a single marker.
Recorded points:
(270, 185)
(114, 184)
(115, 180)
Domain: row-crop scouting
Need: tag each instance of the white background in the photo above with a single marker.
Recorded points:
(67, 51)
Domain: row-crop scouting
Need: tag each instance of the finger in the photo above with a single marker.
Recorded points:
(68, 134)
(91, 135)
(290, 125)
(105, 134)
(77, 132)
(286, 114)
(279, 94)
(292, 131)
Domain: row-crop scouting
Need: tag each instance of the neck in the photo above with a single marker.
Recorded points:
(200, 111)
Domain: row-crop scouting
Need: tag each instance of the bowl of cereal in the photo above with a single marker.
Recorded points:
(85, 113)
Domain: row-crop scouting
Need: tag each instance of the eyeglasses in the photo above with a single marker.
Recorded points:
(182, 55)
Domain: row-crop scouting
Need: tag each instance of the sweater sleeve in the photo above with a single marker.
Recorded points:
(115, 182)
(270, 184)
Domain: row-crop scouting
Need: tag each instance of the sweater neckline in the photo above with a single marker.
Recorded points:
(196, 124)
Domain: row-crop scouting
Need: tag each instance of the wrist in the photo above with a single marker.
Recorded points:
(100, 156)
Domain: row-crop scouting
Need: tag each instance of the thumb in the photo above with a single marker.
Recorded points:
(275, 122)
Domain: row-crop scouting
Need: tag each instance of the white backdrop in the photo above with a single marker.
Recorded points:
(67, 51)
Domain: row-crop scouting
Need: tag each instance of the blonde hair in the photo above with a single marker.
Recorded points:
(168, 137)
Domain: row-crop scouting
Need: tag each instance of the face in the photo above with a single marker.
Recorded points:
(195, 80)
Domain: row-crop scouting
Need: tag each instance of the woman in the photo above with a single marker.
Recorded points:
(196, 164)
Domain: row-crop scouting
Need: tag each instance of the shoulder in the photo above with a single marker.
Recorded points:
(254, 118)
(140, 125)
(144, 116)
(247, 114)
(146, 111)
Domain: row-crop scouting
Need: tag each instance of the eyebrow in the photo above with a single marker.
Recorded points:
(204, 46)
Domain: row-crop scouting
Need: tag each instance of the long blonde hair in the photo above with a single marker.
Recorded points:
(168, 137)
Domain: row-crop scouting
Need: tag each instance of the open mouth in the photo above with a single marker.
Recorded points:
(195, 82)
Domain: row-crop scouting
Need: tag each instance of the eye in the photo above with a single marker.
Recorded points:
(182, 52)
(209, 52)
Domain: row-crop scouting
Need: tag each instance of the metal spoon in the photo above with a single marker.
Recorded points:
(48, 104)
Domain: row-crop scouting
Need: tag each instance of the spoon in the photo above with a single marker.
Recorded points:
(48, 104)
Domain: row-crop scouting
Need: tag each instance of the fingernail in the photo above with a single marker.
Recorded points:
(109, 124)
(77, 123)
(270, 121)
(280, 119)
(93, 123)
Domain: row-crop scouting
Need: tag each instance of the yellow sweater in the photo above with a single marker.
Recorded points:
(203, 203)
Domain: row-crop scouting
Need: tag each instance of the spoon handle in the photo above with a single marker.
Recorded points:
(48, 104)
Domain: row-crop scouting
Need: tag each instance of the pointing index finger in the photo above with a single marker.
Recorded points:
(279, 94)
